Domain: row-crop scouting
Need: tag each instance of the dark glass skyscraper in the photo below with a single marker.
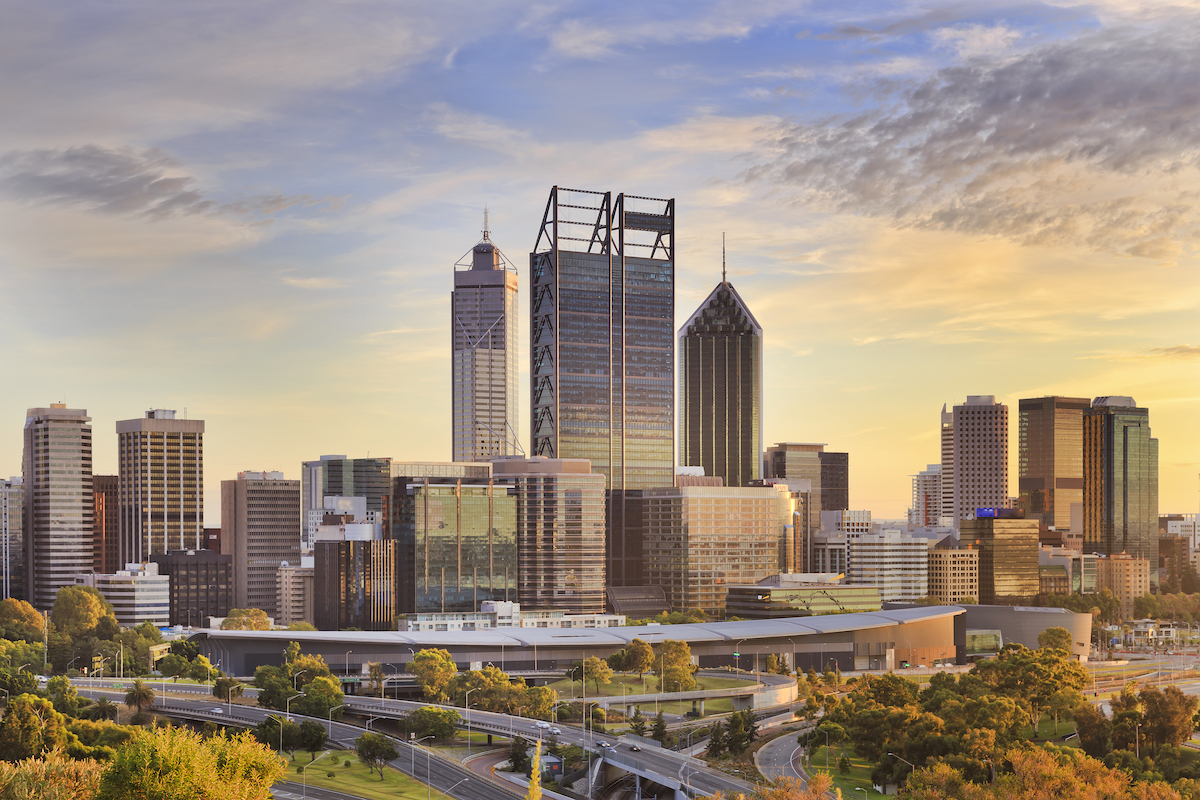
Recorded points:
(1120, 480)
(720, 388)
(1050, 457)
(602, 312)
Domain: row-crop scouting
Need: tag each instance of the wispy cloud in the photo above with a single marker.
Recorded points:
(1088, 141)
(314, 283)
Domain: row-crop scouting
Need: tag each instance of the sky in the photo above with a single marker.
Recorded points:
(251, 211)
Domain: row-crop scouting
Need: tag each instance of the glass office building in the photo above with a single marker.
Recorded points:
(1120, 480)
(1008, 558)
(1050, 457)
(483, 309)
(720, 389)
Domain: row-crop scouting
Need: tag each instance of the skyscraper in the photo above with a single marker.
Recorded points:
(1008, 557)
(980, 456)
(56, 468)
(160, 469)
(926, 505)
(603, 349)
(106, 524)
(338, 476)
(12, 539)
(483, 308)
(720, 388)
(260, 528)
(828, 473)
(1050, 457)
(947, 440)
(1120, 480)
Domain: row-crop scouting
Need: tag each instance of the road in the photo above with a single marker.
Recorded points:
(780, 758)
(416, 761)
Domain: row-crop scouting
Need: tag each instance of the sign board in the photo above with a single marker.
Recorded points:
(158, 651)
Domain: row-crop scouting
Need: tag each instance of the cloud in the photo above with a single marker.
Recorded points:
(148, 183)
(1091, 141)
(314, 283)
(971, 41)
(1177, 351)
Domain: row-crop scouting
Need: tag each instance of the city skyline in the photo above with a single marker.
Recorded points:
(268, 247)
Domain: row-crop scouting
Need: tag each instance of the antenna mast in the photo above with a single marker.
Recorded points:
(722, 256)
(485, 223)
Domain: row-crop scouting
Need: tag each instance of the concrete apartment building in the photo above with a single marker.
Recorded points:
(953, 572)
(260, 528)
(137, 593)
(979, 465)
(1126, 576)
(160, 470)
(294, 592)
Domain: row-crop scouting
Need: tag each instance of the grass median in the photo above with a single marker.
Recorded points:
(355, 779)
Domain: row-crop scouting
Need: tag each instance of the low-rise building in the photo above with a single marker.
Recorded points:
(953, 572)
(895, 562)
(800, 595)
(499, 614)
(201, 584)
(294, 592)
(137, 594)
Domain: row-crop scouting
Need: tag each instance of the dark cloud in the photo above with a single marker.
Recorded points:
(149, 183)
(900, 27)
(1088, 141)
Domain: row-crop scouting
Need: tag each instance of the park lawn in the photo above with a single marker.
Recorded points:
(1045, 731)
(564, 687)
(356, 780)
(852, 784)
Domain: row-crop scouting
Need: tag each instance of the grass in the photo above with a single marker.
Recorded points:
(859, 777)
(356, 779)
(634, 684)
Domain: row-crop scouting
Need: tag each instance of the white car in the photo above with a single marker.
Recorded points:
(556, 731)
(543, 725)
(603, 744)
(215, 710)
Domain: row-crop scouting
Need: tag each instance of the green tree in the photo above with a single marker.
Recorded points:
(376, 678)
(639, 658)
(434, 668)
(30, 728)
(717, 741)
(301, 626)
(843, 765)
(637, 723)
(1056, 637)
(321, 695)
(172, 665)
(312, 737)
(772, 664)
(77, 609)
(184, 648)
(104, 709)
(179, 764)
(1168, 716)
(63, 695)
(376, 751)
(437, 722)
(202, 670)
(598, 672)
(518, 754)
(227, 688)
(19, 621)
(660, 728)
(139, 696)
(674, 665)
(246, 619)
(277, 732)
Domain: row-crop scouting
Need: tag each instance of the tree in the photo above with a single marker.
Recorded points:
(312, 737)
(639, 658)
(320, 695)
(30, 728)
(742, 730)
(202, 670)
(376, 751)
(637, 723)
(518, 754)
(63, 695)
(717, 742)
(104, 709)
(19, 621)
(436, 722)
(660, 728)
(77, 609)
(277, 732)
(598, 672)
(434, 668)
(246, 619)
(674, 662)
(535, 773)
(376, 677)
(301, 626)
(179, 764)
(772, 664)
(184, 648)
(139, 696)
(172, 666)
(55, 777)
(228, 688)
(1168, 716)
(1056, 637)
(818, 788)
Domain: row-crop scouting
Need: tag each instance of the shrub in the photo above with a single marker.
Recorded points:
(347, 763)
(330, 775)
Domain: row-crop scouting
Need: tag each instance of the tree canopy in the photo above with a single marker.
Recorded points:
(246, 619)
(434, 668)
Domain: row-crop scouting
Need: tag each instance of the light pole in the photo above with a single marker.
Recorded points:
(677, 688)
(467, 703)
(396, 672)
(413, 752)
(512, 719)
(287, 706)
(860, 789)
(452, 788)
(737, 655)
(304, 773)
(232, 686)
(294, 677)
(348, 652)
(335, 708)
(795, 668)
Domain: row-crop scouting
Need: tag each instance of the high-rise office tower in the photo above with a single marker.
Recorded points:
(947, 440)
(483, 310)
(720, 388)
(602, 310)
(828, 473)
(56, 469)
(260, 528)
(980, 456)
(106, 524)
(12, 539)
(160, 467)
(1120, 480)
(926, 505)
(1008, 557)
(1050, 457)
(603, 349)
(338, 476)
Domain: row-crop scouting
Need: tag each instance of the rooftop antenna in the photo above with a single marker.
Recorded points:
(485, 223)
(722, 256)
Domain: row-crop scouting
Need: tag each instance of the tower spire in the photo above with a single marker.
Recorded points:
(485, 223)
(722, 256)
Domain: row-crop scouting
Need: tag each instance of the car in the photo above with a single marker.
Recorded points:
(556, 731)
(543, 725)
(216, 710)
(635, 748)
(603, 744)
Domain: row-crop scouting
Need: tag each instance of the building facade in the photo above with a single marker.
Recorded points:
(721, 388)
(160, 467)
(798, 461)
(483, 311)
(894, 562)
(790, 595)
(137, 593)
(1120, 480)
(699, 541)
(926, 508)
(294, 592)
(260, 528)
(338, 476)
(1127, 577)
(560, 532)
(1050, 457)
(12, 539)
(493, 614)
(980, 460)
(947, 442)
(201, 584)
(56, 471)
(106, 524)
(1008, 558)
(953, 572)
(354, 585)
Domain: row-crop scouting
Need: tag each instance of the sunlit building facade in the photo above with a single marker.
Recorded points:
(1008, 558)
(1050, 457)
(483, 310)
(980, 460)
(56, 471)
(160, 470)
(106, 523)
(260, 528)
(12, 539)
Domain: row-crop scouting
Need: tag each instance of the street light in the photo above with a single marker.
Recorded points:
(467, 703)
(304, 773)
(232, 686)
(737, 655)
(860, 789)
(452, 788)
(294, 677)
(348, 652)
(413, 752)
(335, 708)
(795, 668)
(287, 706)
